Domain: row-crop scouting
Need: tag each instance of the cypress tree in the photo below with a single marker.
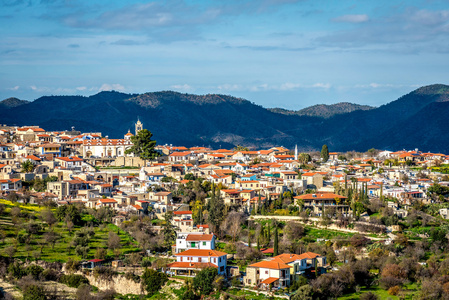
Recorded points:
(325, 153)
(276, 242)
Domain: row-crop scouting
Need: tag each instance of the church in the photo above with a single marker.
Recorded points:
(105, 147)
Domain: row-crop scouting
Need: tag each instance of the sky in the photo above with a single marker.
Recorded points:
(275, 53)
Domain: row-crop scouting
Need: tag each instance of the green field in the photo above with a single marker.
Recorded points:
(408, 292)
(62, 250)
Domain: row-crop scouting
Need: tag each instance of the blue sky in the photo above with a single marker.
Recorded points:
(284, 53)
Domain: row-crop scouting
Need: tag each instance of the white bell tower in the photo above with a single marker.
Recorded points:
(139, 126)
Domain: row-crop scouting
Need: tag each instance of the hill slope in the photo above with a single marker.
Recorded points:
(324, 110)
(12, 102)
(417, 119)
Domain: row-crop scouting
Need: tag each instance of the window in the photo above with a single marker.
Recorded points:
(204, 243)
(215, 260)
(266, 272)
(192, 244)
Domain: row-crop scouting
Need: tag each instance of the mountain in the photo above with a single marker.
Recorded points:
(324, 110)
(12, 102)
(416, 120)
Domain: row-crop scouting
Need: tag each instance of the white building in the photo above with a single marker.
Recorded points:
(194, 260)
(198, 240)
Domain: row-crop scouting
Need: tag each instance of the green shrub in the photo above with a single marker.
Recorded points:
(153, 280)
(49, 274)
(34, 270)
(73, 280)
(16, 270)
(34, 292)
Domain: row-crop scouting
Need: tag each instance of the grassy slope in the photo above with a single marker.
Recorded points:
(60, 251)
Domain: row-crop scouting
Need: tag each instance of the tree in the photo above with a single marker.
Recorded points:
(215, 209)
(203, 281)
(27, 166)
(51, 238)
(276, 241)
(143, 146)
(113, 240)
(232, 224)
(48, 217)
(152, 280)
(169, 230)
(100, 253)
(325, 153)
(304, 158)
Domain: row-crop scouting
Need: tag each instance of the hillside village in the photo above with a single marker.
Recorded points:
(268, 221)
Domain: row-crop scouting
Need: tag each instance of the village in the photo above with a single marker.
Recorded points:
(225, 209)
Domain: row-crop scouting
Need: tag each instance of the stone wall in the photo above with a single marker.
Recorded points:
(128, 161)
(119, 283)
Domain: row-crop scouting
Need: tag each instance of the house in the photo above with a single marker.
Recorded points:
(302, 264)
(319, 201)
(53, 149)
(191, 261)
(107, 203)
(163, 197)
(180, 156)
(183, 220)
(265, 274)
(197, 240)
(72, 163)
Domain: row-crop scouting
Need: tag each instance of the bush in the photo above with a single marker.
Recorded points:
(16, 270)
(394, 290)
(72, 265)
(104, 273)
(153, 280)
(34, 270)
(49, 274)
(132, 276)
(34, 292)
(73, 280)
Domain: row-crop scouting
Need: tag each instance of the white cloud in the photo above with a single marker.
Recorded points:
(289, 86)
(230, 87)
(81, 88)
(351, 19)
(321, 85)
(111, 87)
(182, 87)
(14, 88)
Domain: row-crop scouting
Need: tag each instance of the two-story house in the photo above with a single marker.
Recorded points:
(196, 240)
(191, 261)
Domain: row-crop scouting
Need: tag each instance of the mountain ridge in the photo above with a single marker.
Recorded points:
(324, 110)
(225, 121)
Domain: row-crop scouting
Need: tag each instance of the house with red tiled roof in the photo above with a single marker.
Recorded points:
(194, 240)
(183, 220)
(191, 261)
(112, 203)
(70, 163)
(332, 203)
(265, 274)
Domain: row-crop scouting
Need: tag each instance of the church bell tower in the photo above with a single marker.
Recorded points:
(139, 126)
